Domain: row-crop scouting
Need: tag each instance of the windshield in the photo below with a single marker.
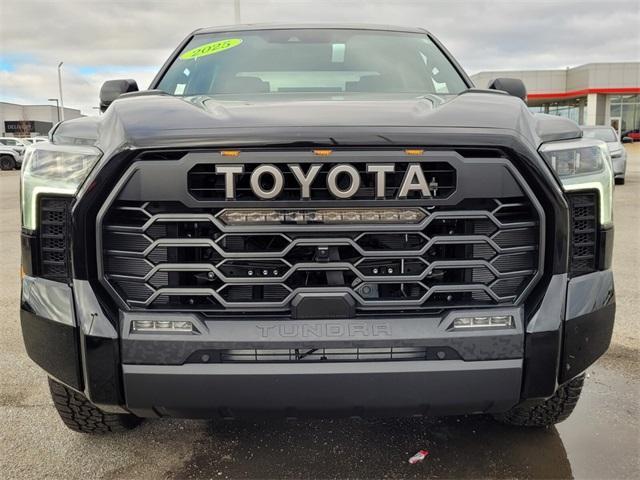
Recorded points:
(311, 60)
(604, 134)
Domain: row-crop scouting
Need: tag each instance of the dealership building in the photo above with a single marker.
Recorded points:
(591, 94)
(30, 120)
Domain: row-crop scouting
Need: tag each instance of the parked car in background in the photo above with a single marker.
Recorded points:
(16, 144)
(634, 135)
(34, 140)
(616, 149)
(9, 158)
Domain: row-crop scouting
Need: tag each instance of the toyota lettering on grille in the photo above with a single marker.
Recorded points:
(343, 181)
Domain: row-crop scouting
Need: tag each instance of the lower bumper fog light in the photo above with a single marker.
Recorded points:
(159, 326)
(499, 321)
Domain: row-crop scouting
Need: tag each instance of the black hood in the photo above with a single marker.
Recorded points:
(154, 119)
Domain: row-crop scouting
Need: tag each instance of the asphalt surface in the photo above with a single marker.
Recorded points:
(600, 440)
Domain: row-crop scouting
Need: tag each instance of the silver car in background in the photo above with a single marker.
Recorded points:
(14, 143)
(9, 158)
(616, 149)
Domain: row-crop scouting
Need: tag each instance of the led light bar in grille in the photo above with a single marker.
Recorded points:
(237, 216)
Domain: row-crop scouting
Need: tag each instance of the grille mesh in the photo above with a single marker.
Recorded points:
(54, 238)
(584, 232)
(460, 257)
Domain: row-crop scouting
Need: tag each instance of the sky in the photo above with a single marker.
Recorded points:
(100, 40)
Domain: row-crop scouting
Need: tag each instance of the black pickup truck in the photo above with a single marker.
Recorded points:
(315, 220)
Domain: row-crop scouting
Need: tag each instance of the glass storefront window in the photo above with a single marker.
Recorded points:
(573, 109)
(615, 110)
(625, 99)
(627, 108)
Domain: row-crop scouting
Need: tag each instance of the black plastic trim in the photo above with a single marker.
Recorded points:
(542, 350)
(54, 237)
(84, 213)
(29, 254)
(302, 389)
(583, 256)
(605, 248)
(53, 346)
(586, 338)
(102, 369)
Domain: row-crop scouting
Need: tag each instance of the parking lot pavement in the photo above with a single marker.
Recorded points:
(600, 440)
(626, 253)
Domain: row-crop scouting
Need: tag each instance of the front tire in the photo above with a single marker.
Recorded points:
(619, 181)
(7, 162)
(553, 410)
(80, 415)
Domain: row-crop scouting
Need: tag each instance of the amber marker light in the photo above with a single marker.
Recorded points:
(323, 153)
(414, 151)
(230, 153)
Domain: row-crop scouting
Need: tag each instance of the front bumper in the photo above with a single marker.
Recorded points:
(367, 388)
(460, 372)
(70, 336)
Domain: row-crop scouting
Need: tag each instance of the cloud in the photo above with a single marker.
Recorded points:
(35, 83)
(99, 39)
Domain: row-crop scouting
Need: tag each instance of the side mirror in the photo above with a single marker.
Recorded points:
(513, 86)
(112, 89)
(627, 140)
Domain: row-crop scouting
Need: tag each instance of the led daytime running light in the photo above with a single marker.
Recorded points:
(497, 321)
(159, 326)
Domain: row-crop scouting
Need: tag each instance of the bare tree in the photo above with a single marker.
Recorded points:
(24, 129)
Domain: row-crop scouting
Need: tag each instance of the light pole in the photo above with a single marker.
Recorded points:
(236, 11)
(57, 106)
(61, 110)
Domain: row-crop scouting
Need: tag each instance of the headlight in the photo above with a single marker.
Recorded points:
(583, 164)
(53, 169)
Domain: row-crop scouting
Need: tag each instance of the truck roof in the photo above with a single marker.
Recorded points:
(293, 26)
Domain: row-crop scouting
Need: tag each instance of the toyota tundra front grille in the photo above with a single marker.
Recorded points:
(176, 251)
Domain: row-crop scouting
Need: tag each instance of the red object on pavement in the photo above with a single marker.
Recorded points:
(418, 457)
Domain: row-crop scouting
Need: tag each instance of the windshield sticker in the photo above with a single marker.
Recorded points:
(211, 48)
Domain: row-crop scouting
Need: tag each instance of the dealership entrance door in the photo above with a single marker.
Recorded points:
(615, 123)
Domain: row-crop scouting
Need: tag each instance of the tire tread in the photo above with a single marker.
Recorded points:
(80, 415)
(553, 410)
(7, 162)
